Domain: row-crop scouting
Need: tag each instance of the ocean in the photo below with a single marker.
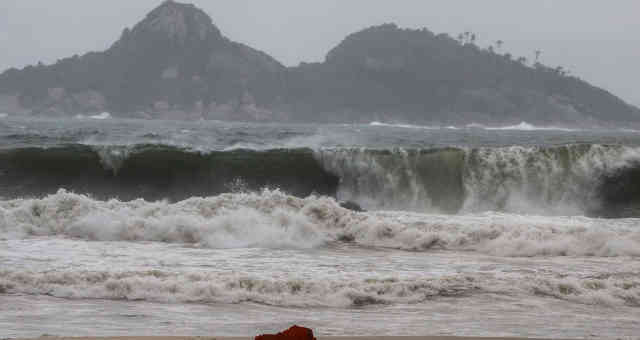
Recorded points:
(117, 227)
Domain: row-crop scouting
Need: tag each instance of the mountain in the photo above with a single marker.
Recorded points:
(415, 75)
(175, 64)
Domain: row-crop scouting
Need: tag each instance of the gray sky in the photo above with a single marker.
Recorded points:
(597, 40)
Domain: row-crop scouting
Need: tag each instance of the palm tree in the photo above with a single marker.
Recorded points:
(561, 71)
(467, 37)
(499, 44)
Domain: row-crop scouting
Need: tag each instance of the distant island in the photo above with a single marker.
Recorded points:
(176, 64)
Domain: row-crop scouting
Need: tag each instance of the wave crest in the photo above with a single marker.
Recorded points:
(577, 179)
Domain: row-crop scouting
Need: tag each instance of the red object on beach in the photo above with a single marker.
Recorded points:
(293, 333)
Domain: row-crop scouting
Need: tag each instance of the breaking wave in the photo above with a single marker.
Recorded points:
(157, 172)
(272, 219)
(523, 126)
(562, 180)
(230, 288)
(579, 179)
(198, 287)
(409, 126)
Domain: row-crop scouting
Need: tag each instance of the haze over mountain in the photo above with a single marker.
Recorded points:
(176, 64)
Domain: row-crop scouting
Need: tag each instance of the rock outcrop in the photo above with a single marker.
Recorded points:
(176, 64)
(293, 333)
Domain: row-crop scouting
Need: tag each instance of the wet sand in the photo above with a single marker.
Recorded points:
(319, 338)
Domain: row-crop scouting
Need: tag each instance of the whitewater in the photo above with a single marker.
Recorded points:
(122, 227)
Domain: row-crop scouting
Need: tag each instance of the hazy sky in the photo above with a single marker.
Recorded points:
(597, 40)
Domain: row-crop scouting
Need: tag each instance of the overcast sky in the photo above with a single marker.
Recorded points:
(597, 40)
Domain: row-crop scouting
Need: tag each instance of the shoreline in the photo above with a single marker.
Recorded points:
(250, 338)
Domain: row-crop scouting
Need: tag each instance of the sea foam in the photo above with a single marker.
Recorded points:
(272, 219)
(197, 287)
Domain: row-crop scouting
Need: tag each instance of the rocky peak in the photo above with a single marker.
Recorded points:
(178, 22)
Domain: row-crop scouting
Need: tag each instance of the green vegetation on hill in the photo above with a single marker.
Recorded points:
(175, 56)
(419, 75)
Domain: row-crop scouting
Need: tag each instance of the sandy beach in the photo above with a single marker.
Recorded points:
(247, 338)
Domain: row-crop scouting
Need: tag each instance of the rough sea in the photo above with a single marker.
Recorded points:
(118, 227)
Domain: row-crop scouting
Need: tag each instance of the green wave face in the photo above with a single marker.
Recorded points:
(580, 179)
(418, 180)
(158, 172)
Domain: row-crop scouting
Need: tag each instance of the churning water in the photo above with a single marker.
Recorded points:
(117, 227)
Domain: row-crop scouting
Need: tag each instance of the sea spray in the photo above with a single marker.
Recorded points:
(562, 180)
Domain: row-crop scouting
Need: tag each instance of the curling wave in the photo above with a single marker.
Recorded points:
(156, 172)
(580, 179)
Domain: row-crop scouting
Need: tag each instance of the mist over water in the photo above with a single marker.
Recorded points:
(212, 218)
